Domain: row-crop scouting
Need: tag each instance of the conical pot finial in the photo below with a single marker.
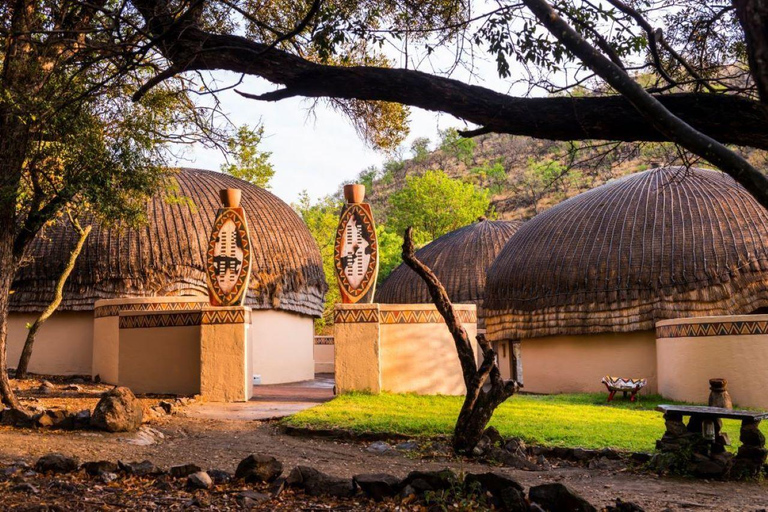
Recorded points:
(230, 197)
(354, 193)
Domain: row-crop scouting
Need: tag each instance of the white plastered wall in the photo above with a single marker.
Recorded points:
(282, 346)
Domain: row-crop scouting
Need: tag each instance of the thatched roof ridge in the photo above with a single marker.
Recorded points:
(166, 256)
(664, 243)
(460, 259)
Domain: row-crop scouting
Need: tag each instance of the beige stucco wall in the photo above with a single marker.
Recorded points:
(282, 346)
(421, 357)
(106, 348)
(160, 359)
(575, 364)
(406, 354)
(356, 358)
(64, 344)
(226, 359)
(686, 364)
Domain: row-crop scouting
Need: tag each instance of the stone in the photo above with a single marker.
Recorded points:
(708, 468)
(511, 460)
(580, 454)
(73, 387)
(77, 380)
(25, 487)
(422, 481)
(249, 499)
(516, 446)
(108, 477)
(508, 493)
(556, 497)
(82, 419)
(493, 436)
(143, 468)
(167, 407)
(56, 463)
(100, 467)
(378, 485)
(259, 468)
(46, 388)
(277, 487)
(118, 411)
(751, 435)
(184, 470)
(51, 418)
(379, 447)
(610, 453)
(218, 476)
(199, 480)
(315, 483)
(407, 446)
(640, 457)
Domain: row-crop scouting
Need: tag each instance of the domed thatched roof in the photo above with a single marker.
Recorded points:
(166, 256)
(459, 258)
(664, 243)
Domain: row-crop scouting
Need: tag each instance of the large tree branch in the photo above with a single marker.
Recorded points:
(730, 119)
(753, 17)
(662, 119)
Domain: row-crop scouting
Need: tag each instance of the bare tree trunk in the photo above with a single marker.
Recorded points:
(26, 353)
(479, 403)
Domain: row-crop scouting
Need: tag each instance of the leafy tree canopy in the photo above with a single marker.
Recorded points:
(251, 164)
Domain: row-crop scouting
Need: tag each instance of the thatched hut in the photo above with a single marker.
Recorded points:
(584, 283)
(165, 259)
(460, 259)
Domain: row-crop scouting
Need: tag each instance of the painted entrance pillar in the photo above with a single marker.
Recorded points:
(225, 350)
(356, 251)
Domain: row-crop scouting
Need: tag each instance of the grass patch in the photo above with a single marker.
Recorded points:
(573, 420)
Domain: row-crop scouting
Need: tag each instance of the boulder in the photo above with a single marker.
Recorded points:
(377, 485)
(82, 419)
(259, 468)
(422, 481)
(218, 476)
(143, 468)
(493, 436)
(184, 470)
(508, 494)
(53, 418)
(379, 447)
(315, 483)
(118, 411)
(249, 499)
(556, 497)
(199, 480)
(99, 467)
(56, 463)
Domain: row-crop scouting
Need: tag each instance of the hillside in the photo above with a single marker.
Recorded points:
(525, 176)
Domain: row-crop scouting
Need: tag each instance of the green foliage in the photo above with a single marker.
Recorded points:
(321, 218)
(420, 149)
(250, 164)
(494, 176)
(367, 176)
(435, 204)
(453, 144)
(576, 420)
(390, 250)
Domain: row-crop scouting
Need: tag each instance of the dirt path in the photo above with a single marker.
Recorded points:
(222, 444)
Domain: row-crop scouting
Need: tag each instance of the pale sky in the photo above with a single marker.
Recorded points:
(316, 153)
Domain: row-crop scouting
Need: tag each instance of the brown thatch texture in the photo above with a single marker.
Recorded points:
(459, 259)
(166, 256)
(664, 243)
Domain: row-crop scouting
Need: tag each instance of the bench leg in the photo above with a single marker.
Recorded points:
(611, 395)
(751, 456)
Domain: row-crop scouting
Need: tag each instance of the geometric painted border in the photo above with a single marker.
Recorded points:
(403, 316)
(356, 316)
(420, 316)
(740, 328)
(184, 319)
(174, 319)
(115, 309)
(224, 316)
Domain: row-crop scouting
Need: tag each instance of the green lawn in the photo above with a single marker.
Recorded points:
(576, 420)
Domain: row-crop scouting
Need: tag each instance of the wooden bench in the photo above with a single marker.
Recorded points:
(707, 421)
